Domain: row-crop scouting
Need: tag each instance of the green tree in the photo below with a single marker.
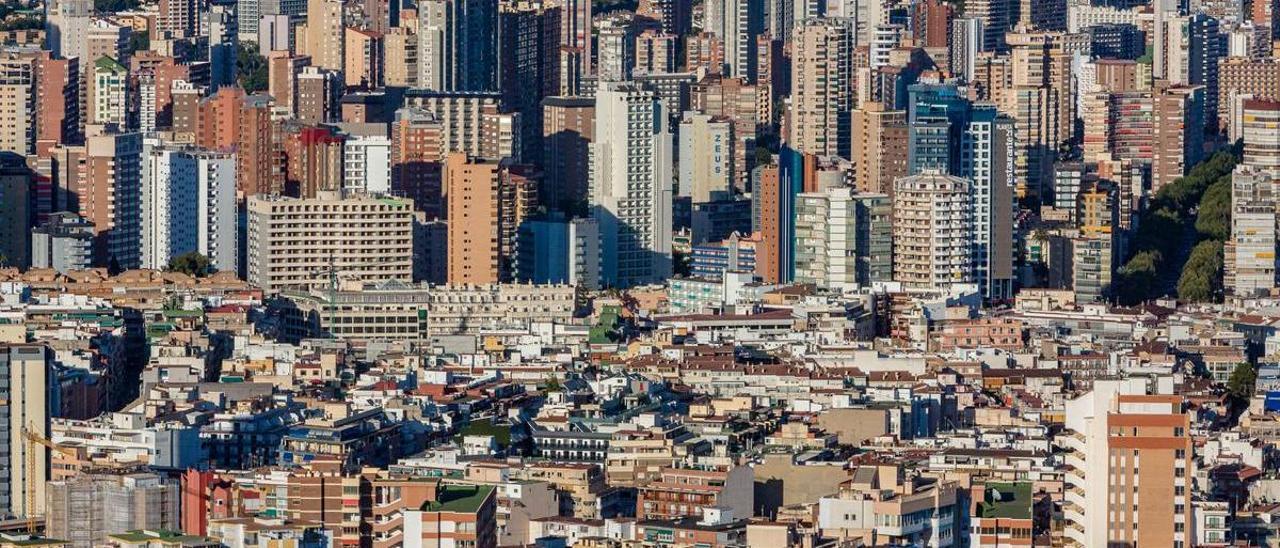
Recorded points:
(113, 6)
(1155, 230)
(139, 41)
(252, 68)
(1201, 279)
(1139, 279)
(191, 263)
(1240, 384)
(763, 156)
(1213, 218)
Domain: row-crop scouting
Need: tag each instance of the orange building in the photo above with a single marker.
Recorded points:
(486, 202)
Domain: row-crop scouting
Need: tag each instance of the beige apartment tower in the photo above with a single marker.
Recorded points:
(295, 243)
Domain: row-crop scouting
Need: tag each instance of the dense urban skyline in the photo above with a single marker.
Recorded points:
(651, 273)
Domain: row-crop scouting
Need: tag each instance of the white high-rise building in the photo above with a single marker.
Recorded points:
(66, 24)
(883, 41)
(615, 49)
(1249, 256)
(631, 185)
(736, 23)
(844, 240)
(1164, 10)
(966, 44)
(188, 205)
(146, 102)
(366, 161)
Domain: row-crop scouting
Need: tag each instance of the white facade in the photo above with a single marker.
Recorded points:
(966, 44)
(1250, 256)
(366, 164)
(146, 103)
(883, 42)
(188, 204)
(736, 23)
(631, 185)
(110, 93)
(843, 239)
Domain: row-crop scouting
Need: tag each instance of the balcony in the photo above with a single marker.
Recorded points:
(1075, 495)
(1075, 460)
(1073, 513)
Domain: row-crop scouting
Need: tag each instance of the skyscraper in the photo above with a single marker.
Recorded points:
(417, 149)
(822, 95)
(1179, 133)
(18, 94)
(1249, 255)
(575, 31)
(737, 23)
(457, 47)
(110, 196)
(66, 22)
(224, 37)
(631, 185)
(1194, 46)
(57, 101)
(706, 158)
(528, 65)
(995, 19)
(568, 127)
(16, 214)
(487, 202)
(616, 49)
(879, 147)
(1130, 467)
(325, 41)
(189, 205)
(26, 370)
(975, 142)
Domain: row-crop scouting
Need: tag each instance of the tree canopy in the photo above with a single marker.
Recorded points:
(1240, 384)
(1201, 279)
(1187, 210)
(252, 68)
(192, 263)
(1213, 217)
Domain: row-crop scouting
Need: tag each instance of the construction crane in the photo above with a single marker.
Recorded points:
(34, 439)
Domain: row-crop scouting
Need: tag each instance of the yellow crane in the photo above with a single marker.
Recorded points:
(34, 439)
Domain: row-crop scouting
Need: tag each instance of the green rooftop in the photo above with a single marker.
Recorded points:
(159, 535)
(463, 499)
(1006, 500)
(107, 63)
(34, 542)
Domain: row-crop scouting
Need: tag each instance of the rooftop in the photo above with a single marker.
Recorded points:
(1006, 500)
(459, 498)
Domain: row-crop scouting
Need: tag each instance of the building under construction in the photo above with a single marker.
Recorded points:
(87, 508)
